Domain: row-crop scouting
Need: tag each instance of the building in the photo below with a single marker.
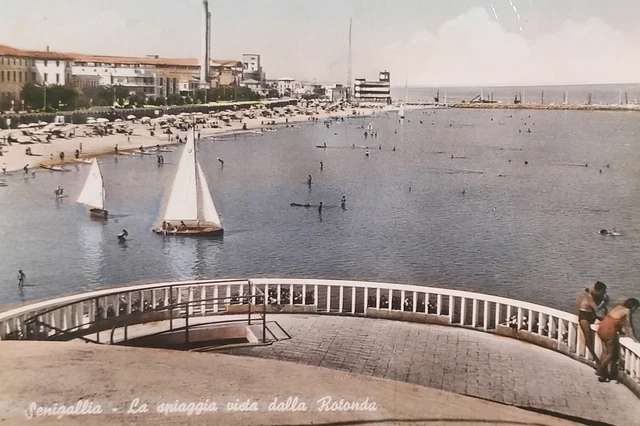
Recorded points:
(373, 91)
(285, 86)
(150, 76)
(254, 85)
(336, 92)
(252, 68)
(225, 72)
(19, 67)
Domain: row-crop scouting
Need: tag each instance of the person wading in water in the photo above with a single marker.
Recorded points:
(591, 307)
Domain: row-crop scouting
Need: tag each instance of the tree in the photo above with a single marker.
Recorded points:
(33, 96)
(175, 99)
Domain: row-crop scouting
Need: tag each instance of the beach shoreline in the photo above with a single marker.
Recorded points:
(14, 156)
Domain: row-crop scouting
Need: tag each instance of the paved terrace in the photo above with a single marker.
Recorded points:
(113, 376)
(459, 360)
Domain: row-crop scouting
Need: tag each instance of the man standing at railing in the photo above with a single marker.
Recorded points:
(619, 319)
(592, 306)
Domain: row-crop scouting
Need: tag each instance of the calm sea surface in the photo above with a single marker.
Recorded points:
(529, 234)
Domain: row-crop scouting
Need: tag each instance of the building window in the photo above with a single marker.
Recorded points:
(2, 61)
(45, 62)
(45, 77)
(14, 61)
(20, 76)
(14, 77)
(2, 76)
(57, 63)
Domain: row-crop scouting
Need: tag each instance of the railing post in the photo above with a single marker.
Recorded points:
(190, 300)
(186, 328)
(366, 300)
(439, 303)
(474, 312)
(170, 305)
(463, 310)
(291, 294)
(353, 300)
(377, 297)
(203, 298)
(279, 289)
(498, 308)
(485, 317)
(329, 298)
(390, 299)
(530, 321)
(341, 296)
(403, 296)
(264, 320)
(451, 307)
(215, 299)
(415, 301)
(315, 296)
(304, 294)
(250, 303)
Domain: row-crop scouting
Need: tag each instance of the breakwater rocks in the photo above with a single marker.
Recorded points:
(549, 107)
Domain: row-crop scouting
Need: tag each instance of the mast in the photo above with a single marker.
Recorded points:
(104, 195)
(195, 170)
(406, 89)
(349, 67)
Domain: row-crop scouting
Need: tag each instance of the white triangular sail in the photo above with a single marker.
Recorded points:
(210, 214)
(183, 199)
(93, 193)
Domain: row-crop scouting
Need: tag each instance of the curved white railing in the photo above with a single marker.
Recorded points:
(541, 325)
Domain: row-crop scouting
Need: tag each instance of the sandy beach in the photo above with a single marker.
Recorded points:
(14, 156)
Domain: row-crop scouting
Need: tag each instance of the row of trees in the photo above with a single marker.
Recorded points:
(64, 98)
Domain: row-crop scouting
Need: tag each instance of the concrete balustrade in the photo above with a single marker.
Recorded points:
(93, 312)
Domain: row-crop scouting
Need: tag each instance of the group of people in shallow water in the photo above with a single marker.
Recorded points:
(613, 320)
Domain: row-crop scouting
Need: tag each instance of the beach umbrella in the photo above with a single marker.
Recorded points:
(90, 118)
(22, 126)
(43, 123)
(145, 119)
(34, 125)
(131, 117)
(118, 120)
(102, 120)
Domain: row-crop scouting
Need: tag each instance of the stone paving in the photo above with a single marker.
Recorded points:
(453, 359)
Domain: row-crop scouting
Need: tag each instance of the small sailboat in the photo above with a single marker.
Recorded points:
(190, 209)
(93, 194)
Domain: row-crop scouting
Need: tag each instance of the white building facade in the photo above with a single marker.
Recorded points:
(52, 71)
(286, 86)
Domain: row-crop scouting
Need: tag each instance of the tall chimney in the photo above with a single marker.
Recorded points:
(207, 41)
(47, 48)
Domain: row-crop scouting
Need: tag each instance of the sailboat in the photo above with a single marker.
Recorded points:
(190, 209)
(401, 110)
(93, 194)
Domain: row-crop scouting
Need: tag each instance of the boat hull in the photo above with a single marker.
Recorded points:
(99, 214)
(192, 232)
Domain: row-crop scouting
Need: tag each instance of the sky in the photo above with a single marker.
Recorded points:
(421, 42)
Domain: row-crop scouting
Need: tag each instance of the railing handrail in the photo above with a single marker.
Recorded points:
(18, 314)
(61, 302)
(422, 289)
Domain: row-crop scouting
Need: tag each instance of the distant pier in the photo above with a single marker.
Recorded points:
(538, 106)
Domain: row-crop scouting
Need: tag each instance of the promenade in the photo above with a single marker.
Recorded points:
(113, 377)
(453, 359)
